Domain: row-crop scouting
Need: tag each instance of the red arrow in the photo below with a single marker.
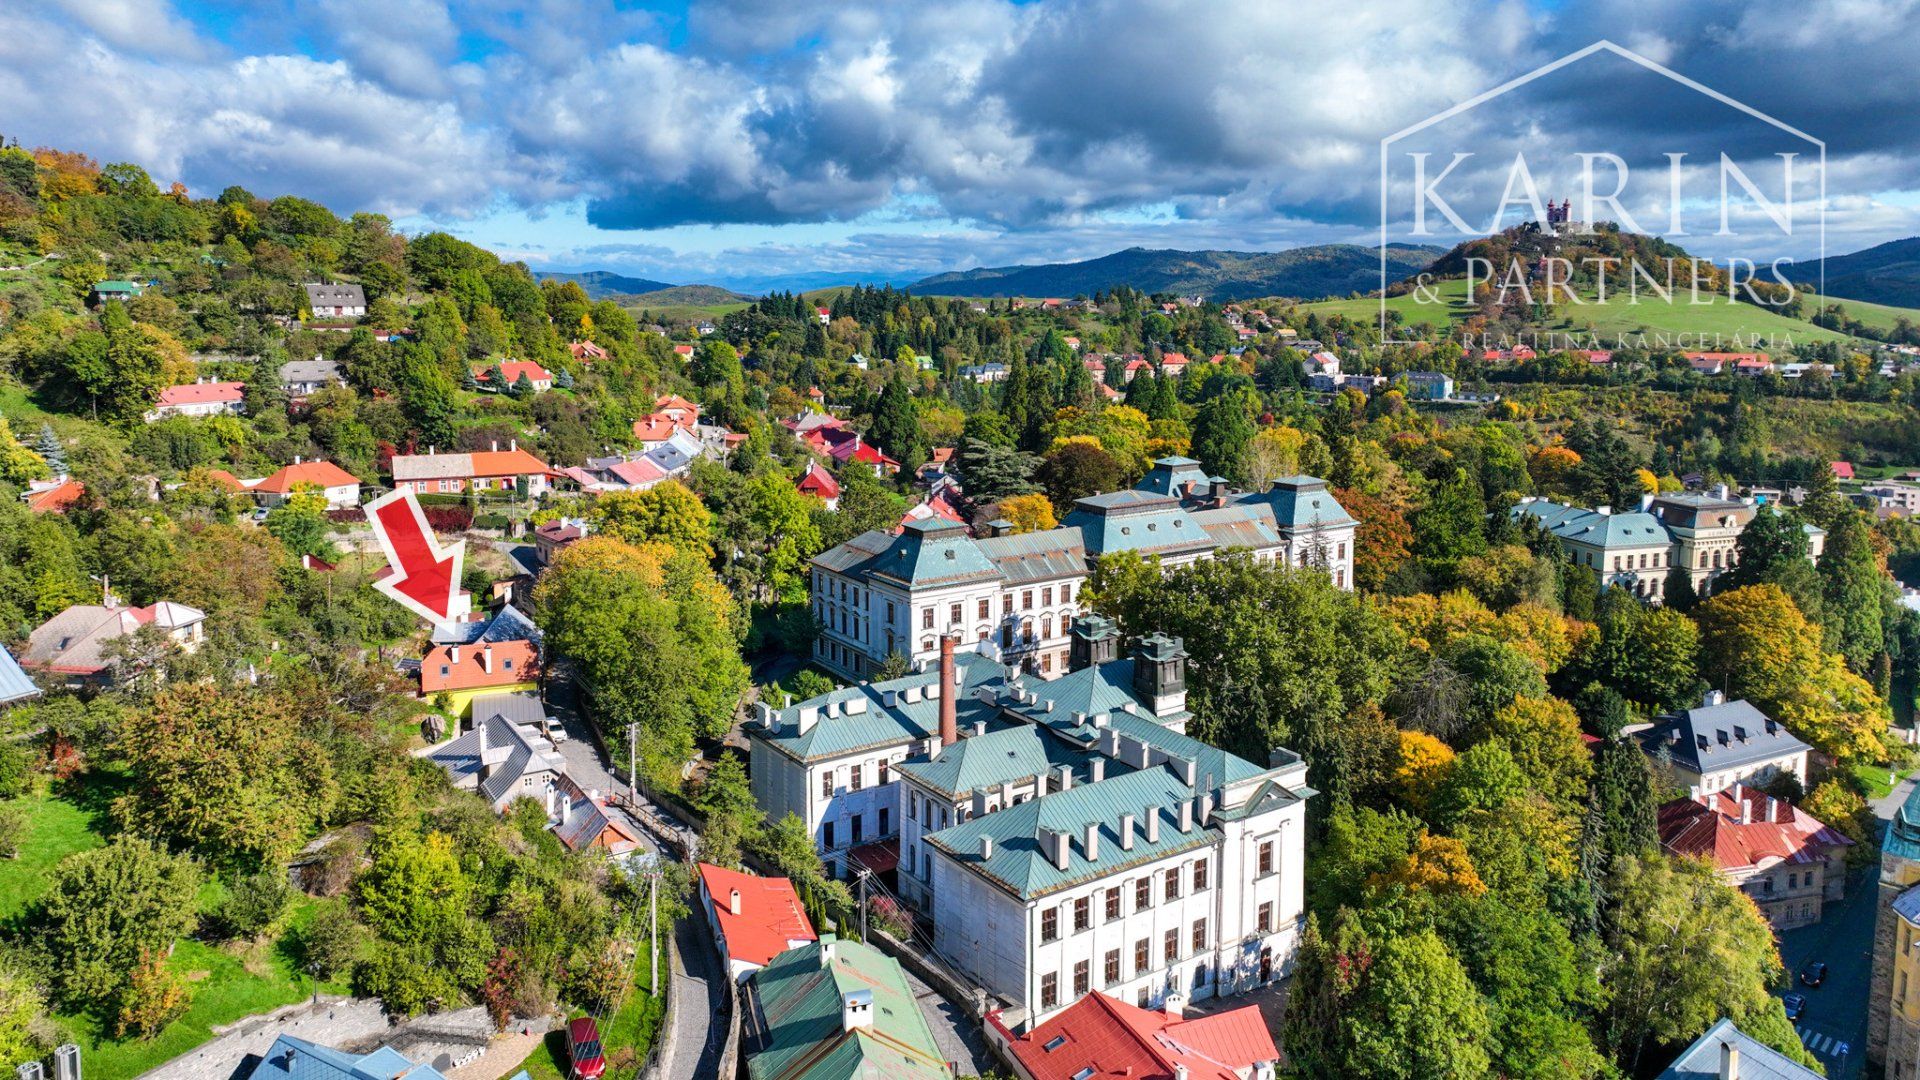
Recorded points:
(424, 580)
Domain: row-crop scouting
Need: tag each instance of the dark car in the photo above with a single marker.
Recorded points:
(1813, 974)
(583, 1049)
(1795, 1003)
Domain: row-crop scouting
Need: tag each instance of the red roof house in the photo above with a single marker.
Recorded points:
(1102, 1038)
(540, 377)
(54, 498)
(586, 352)
(341, 487)
(200, 399)
(484, 666)
(754, 918)
(1786, 860)
(1842, 470)
(819, 483)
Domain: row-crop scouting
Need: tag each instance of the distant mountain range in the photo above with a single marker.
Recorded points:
(1887, 273)
(686, 296)
(1305, 273)
(600, 284)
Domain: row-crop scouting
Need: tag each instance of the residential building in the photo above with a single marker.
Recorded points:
(885, 592)
(550, 539)
(340, 487)
(512, 469)
(1786, 861)
(1429, 386)
(1902, 497)
(465, 672)
(199, 398)
(73, 645)
(833, 1010)
(754, 918)
(53, 496)
(1724, 1052)
(830, 436)
(1705, 528)
(505, 755)
(984, 373)
(819, 483)
(1720, 743)
(15, 686)
(291, 1058)
(1629, 550)
(1048, 829)
(585, 818)
(299, 378)
(586, 352)
(104, 291)
(511, 371)
(1104, 1036)
(1893, 1001)
(333, 301)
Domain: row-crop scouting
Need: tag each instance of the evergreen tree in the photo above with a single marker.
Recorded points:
(1773, 551)
(1452, 525)
(522, 387)
(1222, 430)
(896, 425)
(467, 381)
(563, 379)
(1850, 580)
(50, 451)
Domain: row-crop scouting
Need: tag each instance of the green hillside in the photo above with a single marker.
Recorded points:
(1323, 270)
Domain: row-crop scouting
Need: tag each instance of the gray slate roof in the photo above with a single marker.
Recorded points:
(335, 294)
(310, 371)
(987, 761)
(861, 718)
(1734, 734)
(14, 685)
(1701, 1061)
(511, 721)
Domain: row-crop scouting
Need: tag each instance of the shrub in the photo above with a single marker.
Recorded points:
(448, 519)
(16, 768)
(13, 829)
(331, 941)
(153, 998)
(254, 902)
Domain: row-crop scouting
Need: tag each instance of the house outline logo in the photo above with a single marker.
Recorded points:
(1601, 46)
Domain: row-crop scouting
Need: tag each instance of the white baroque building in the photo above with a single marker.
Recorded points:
(885, 592)
(1060, 835)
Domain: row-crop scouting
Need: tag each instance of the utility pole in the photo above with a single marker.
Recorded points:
(862, 878)
(633, 762)
(653, 931)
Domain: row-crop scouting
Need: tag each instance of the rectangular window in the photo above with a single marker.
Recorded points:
(1026, 600)
(886, 773)
(1265, 922)
(1046, 664)
(1082, 979)
(1066, 594)
(856, 828)
(889, 613)
(1172, 890)
(1140, 999)
(953, 612)
(826, 784)
(1046, 596)
(1140, 958)
(826, 835)
(1200, 876)
(1050, 925)
(1049, 990)
(1171, 947)
(926, 618)
(1082, 914)
(1006, 604)
(884, 815)
(1266, 858)
(1113, 903)
(1143, 894)
(913, 806)
(1199, 935)
(856, 774)
(986, 608)
(1112, 970)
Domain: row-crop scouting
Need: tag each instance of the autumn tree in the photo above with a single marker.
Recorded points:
(104, 909)
(1382, 541)
(1755, 644)
(1028, 513)
(666, 512)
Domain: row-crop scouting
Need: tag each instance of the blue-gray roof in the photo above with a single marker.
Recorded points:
(507, 624)
(1633, 529)
(1758, 1061)
(1710, 738)
(855, 718)
(15, 687)
(1136, 521)
(932, 552)
(987, 761)
(1907, 905)
(1902, 837)
(1301, 502)
(297, 1059)
(1171, 475)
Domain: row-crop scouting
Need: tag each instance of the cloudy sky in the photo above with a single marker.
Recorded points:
(748, 141)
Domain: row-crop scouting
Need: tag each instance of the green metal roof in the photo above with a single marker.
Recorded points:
(1019, 861)
(861, 718)
(116, 287)
(801, 996)
(987, 761)
(932, 553)
(1903, 832)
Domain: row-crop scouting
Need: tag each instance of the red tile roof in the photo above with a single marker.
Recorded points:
(203, 393)
(655, 427)
(770, 913)
(674, 403)
(818, 481)
(1842, 470)
(1117, 1040)
(227, 480)
(513, 369)
(1775, 830)
(56, 499)
(318, 473)
(638, 472)
(470, 672)
(586, 351)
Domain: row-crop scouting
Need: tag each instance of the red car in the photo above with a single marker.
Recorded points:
(583, 1049)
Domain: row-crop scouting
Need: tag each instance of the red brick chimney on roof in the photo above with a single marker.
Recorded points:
(949, 725)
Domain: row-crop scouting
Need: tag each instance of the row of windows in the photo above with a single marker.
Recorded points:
(856, 827)
(1081, 910)
(1110, 966)
(856, 775)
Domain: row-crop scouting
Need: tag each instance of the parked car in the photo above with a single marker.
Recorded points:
(556, 731)
(583, 1050)
(1796, 1007)
(1814, 973)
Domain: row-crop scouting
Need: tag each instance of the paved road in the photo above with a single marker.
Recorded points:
(959, 1038)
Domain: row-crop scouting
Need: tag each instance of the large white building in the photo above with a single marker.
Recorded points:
(1060, 835)
(1638, 549)
(883, 593)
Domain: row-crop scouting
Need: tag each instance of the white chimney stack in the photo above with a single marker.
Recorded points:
(1153, 825)
(1186, 815)
(986, 848)
(453, 654)
(856, 1010)
(1098, 768)
(486, 658)
(733, 901)
(1729, 1061)
(1092, 842)
(1126, 832)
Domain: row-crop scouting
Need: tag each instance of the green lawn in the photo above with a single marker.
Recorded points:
(1874, 779)
(1872, 316)
(56, 827)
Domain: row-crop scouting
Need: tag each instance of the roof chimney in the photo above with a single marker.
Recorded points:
(986, 848)
(513, 444)
(1062, 849)
(733, 902)
(856, 1010)
(1746, 808)
(1097, 768)
(453, 654)
(1066, 778)
(494, 446)
(1729, 1061)
(1186, 815)
(1153, 825)
(949, 726)
(1092, 841)
(1175, 1005)
(1126, 832)
(1712, 698)
(486, 658)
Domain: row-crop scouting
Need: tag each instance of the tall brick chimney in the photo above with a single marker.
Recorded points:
(949, 725)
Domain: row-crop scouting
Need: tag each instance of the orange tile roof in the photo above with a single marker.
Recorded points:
(513, 662)
(506, 463)
(323, 474)
(202, 393)
(770, 913)
(227, 480)
(1710, 827)
(657, 427)
(513, 369)
(1115, 1039)
(56, 499)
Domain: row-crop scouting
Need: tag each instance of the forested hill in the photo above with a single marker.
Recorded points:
(600, 284)
(1887, 273)
(1306, 272)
